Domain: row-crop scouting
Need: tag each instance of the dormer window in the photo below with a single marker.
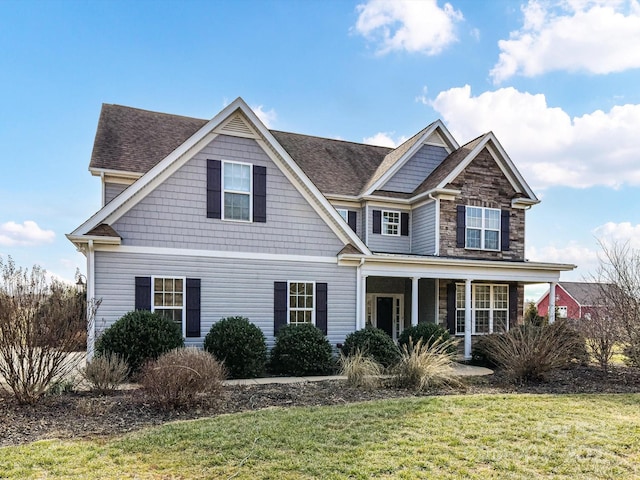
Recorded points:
(482, 228)
(390, 223)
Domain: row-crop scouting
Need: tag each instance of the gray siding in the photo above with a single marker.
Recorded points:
(423, 237)
(228, 287)
(416, 169)
(387, 243)
(112, 190)
(174, 214)
(358, 216)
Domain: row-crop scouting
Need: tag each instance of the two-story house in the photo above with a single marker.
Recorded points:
(202, 220)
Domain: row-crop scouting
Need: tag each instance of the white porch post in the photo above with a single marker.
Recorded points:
(467, 319)
(552, 302)
(414, 301)
(362, 320)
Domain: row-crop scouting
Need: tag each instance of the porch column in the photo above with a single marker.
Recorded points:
(414, 301)
(362, 318)
(467, 319)
(552, 302)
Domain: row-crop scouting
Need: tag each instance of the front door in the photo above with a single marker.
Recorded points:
(384, 314)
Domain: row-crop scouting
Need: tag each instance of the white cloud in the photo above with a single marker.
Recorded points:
(384, 139)
(547, 145)
(620, 233)
(596, 36)
(408, 25)
(268, 117)
(26, 234)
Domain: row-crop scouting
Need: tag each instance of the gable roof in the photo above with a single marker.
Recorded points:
(583, 293)
(231, 118)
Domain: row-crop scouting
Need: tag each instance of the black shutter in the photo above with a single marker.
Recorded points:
(214, 189)
(193, 307)
(460, 225)
(377, 221)
(321, 307)
(404, 224)
(513, 304)
(451, 308)
(352, 219)
(259, 194)
(504, 230)
(143, 293)
(280, 301)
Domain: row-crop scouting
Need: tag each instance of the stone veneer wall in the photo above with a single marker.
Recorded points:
(483, 185)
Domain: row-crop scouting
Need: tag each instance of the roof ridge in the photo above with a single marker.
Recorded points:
(331, 139)
(154, 112)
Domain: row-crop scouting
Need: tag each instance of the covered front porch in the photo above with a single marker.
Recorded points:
(467, 297)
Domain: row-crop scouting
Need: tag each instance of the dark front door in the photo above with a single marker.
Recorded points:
(384, 314)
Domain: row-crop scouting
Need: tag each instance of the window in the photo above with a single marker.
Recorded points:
(562, 312)
(168, 298)
(489, 308)
(237, 191)
(344, 213)
(301, 303)
(482, 228)
(390, 223)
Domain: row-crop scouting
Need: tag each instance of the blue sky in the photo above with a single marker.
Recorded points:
(557, 82)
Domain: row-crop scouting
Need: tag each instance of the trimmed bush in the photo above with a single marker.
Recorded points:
(240, 345)
(301, 350)
(373, 342)
(429, 333)
(183, 377)
(140, 336)
(106, 372)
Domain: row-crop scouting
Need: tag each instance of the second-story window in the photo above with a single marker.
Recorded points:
(237, 191)
(344, 213)
(482, 228)
(390, 223)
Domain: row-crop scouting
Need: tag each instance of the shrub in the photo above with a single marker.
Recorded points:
(481, 351)
(240, 345)
(104, 373)
(361, 370)
(183, 377)
(423, 365)
(301, 350)
(140, 336)
(373, 342)
(429, 333)
(528, 353)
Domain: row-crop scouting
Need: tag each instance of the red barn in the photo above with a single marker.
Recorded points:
(573, 299)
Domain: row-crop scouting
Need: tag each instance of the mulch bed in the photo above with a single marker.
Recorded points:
(84, 415)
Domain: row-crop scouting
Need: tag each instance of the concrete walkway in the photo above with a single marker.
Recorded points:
(461, 370)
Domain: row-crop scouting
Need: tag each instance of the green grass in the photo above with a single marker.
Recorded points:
(472, 436)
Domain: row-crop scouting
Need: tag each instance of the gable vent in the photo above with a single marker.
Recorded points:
(237, 125)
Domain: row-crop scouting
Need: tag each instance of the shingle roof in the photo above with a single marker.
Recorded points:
(135, 140)
(582, 292)
(104, 230)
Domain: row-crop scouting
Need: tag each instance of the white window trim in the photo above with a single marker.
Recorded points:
(483, 229)
(344, 213)
(384, 223)
(313, 308)
(223, 190)
(473, 308)
(184, 297)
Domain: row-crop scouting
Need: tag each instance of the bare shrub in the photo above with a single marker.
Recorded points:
(106, 372)
(602, 333)
(39, 330)
(619, 278)
(182, 378)
(361, 370)
(529, 352)
(425, 365)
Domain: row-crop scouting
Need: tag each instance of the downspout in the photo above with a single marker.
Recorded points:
(359, 300)
(436, 250)
(91, 325)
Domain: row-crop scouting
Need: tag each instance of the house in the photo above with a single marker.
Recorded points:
(573, 300)
(201, 220)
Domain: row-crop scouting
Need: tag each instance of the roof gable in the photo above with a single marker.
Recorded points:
(237, 118)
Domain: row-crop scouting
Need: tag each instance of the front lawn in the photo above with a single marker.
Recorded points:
(471, 436)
